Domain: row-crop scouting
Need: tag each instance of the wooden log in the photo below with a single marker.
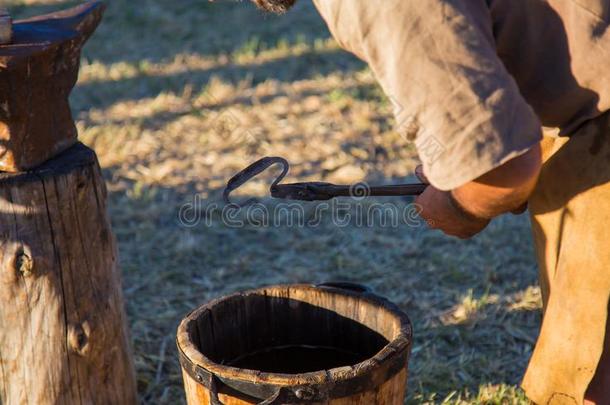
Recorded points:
(295, 344)
(38, 70)
(63, 336)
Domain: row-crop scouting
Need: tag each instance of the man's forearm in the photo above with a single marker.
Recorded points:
(466, 210)
(503, 189)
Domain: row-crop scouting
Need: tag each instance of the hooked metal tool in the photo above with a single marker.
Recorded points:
(313, 191)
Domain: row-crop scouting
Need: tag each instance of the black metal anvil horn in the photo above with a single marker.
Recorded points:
(38, 68)
(313, 191)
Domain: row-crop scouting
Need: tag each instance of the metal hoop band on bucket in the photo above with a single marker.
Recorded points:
(272, 388)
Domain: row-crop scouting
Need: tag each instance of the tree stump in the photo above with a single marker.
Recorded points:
(63, 336)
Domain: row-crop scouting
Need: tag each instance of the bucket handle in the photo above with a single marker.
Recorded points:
(277, 395)
(345, 285)
(283, 395)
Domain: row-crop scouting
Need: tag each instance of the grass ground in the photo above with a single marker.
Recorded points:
(177, 96)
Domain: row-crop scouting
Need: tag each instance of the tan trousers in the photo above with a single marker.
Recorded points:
(570, 213)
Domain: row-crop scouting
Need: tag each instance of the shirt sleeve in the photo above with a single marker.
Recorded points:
(436, 61)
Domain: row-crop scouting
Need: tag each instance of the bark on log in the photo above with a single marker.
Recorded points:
(63, 335)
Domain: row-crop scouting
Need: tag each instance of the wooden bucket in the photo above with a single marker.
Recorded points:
(333, 343)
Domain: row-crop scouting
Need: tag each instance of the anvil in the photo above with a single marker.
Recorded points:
(38, 69)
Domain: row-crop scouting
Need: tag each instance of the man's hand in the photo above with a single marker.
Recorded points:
(441, 212)
(466, 210)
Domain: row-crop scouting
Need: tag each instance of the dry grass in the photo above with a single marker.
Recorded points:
(177, 96)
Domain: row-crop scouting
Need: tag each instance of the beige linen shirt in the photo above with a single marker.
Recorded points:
(473, 81)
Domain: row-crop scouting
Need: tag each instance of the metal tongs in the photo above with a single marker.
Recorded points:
(312, 191)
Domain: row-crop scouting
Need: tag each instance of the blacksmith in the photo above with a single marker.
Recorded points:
(514, 94)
